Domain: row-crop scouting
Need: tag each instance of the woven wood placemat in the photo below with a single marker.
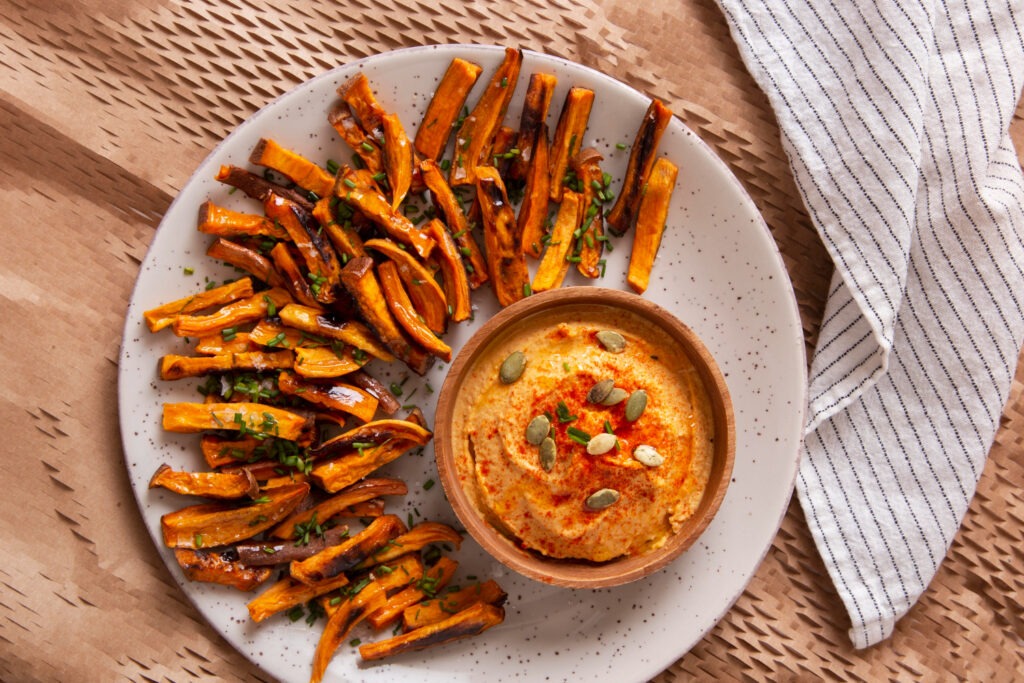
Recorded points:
(108, 106)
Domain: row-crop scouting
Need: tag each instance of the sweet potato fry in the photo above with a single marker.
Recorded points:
(287, 265)
(402, 308)
(288, 593)
(217, 344)
(163, 316)
(360, 492)
(219, 450)
(427, 296)
(360, 279)
(233, 314)
(323, 362)
(590, 243)
(650, 222)
(340, 624)
(340, 558)
(453, 272)
(337, 473)
(271, 552)
(173, 366)
(246, 259)
(258, 187)
(261, 421)
(509, 275)
(298, 168)
(223, 222)
(555, 263)
(219, 485)
(572, 125)
(366, 148)
(443, 111)
(398, 164)
(358, 190)
(443, 606)
(321, 261)
(533, 211)
(469, 622)
(339, 229)
(457, 222)
(357, 94)
(388, 405)
(352, 332)
(535, 112)
(333, 396)
(433, 581)
(474, 138)
(641, 159)
(372, 434)
(413, 540)
(216, 524)
(213, 568)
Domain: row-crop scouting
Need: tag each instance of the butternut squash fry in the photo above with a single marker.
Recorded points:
(397, 159)
(641, 159)
(417, 538)
(363, 144)
(510, 277)
(474, 139)
(372, 434)
(359, 492)
(219, 485)
(340, 558)
(457, 222)
(214, 524)
(443, 606)
(427, 296)
(359, 278)
(216, 344)
(246, 259)
(402, 308)
(340, 624)
(572, 125)
(357, 94)
(163, 316)
(286, 264)
(650, 223)
(347, 399)
(535, 113)
(261, 421)
(469, 622)
(212, 568)
(258, 187)
(533, 211)
(453, 272)
(555, 264)
(223, 222)
(590, 243)
(174, 367)
(433, 580)
(288, 593)
(233, 314)
(358, 190)
(299, 169)
(351, 332)
(448, 99)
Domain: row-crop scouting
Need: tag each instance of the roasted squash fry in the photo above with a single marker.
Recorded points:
(533, 211)
(288, 593)
(650, 222)
(398, 164)
(352, 332)
(233, 314)
(443, 110)
(458, 223)
(443, 606)
(360, 492)
(453, 272)
(469, 622)
(641, 159)
(572, 125)
(417, 538)
(358, 190)
(340, 624)
(174, 367)
(364, 145)
(476, 135)
(340, 558)
(427, 296)
(246, 259)
(258, 187)
(163, 316)
(219, 485)
(535, 112)
(406, 315)
(209, 567)
(217, 220)
(510, 277)
(333, 396)
(298, 168)
(256, 419)
(215, 524)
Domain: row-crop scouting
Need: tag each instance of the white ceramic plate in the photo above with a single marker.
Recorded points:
(720, 272)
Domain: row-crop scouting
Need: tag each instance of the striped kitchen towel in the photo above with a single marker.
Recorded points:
(895, 117)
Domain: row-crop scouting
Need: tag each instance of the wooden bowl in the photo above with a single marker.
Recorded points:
(552, 306)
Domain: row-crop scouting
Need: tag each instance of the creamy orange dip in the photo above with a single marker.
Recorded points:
(547, 510)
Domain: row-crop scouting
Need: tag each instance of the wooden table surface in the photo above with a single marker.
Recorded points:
(106, 109)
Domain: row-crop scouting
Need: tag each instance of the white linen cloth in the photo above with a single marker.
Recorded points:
(895, 117)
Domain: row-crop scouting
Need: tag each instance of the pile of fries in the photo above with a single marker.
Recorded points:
(348, 264)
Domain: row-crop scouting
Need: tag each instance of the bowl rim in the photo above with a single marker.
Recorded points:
(580, 573)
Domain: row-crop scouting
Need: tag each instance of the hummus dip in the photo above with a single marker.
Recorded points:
(546, 509)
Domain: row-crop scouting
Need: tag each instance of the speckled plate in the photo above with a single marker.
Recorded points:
(718, 270)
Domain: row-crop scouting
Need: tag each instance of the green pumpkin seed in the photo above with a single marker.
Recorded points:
(512, 367)
(602, 499)
(538, 429)
(601, 443)
(600, 391)
(612, 341)
(636, 405)
(615, 397)
(548, 452)
(647, 455)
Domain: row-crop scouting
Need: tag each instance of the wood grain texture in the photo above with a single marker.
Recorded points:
(108, 106)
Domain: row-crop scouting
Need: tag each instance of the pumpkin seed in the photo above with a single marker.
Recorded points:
(647, 455)
(601, 443)
(602, 499)
(538, 429)
(615, 397)
(512, 367)
(600, 391)
(612, 341)
(548, 452)
(635, 405)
